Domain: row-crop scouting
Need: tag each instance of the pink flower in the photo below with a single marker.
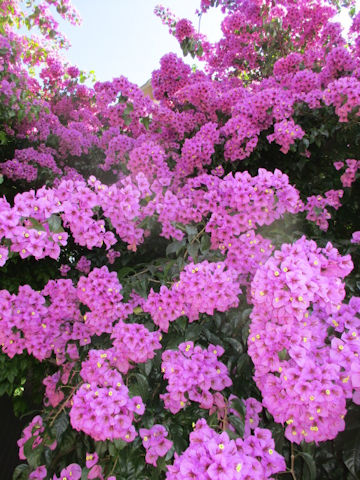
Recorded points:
(355, 237)
(72, 472)
(38, 474)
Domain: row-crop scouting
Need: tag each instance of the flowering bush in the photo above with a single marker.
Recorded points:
(180, 276)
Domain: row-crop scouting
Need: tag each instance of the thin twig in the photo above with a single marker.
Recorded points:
(139, 273)
(65, 402)
(200, 16)
(198, 235)
(225, 420)
(115, 463)
(292, 462)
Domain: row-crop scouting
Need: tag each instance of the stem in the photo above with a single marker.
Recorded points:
(139, 273)
(292, 462)
(115, 463)
(225, 420)
(198, 235)
(194, 239)
(63, 405)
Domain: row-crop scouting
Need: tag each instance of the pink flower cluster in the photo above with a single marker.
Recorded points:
(49, 321)
(112, 255)
(39, 473)
(102, 408)
(64, 320)
(26, 225)
(183, 29)
(21, 166)
(316, 207)
(241, 202)
(202, 288)
(356, 237)
(213, 456)
(149, 159)
(294, 294)
(285, 134)
(252, 417)
(349, 176)
(34, 226)
(155, 443)
(33, 431)
(246, 253)
(83, 265)
(191, 373)
(23, 323)
(133, 344)
(100, 292)
(197, 151)
(71, 472)
(344, 95)
(95, 470)
(172, 75)
(236, 204)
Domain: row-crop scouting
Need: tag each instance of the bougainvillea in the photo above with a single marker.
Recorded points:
(180, 272)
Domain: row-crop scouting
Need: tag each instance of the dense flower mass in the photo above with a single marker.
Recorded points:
(211, 455)
(102, 407)
(202, 288)
(147, 232)
(191, 373)
(155, 443)
(294, 294)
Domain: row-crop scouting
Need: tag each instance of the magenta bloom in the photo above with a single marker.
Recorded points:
(71, 472)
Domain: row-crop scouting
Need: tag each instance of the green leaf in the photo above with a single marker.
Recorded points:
(212, 338)
(100, 448)
(124, 271)
(193, 250)
(146, 122)
(33, 455)
(278, 435)
(239, 406)
(175, 247)
(236, 345)
(191, 230)
(238, 424)
(242, 363)
(84, 473)
(205, 243)
(21, 472)
(310, 472)
(351, 455)
(283, 354)
(112, 450)
(60, 425)
(55, 224)
(120, 444)
(36, 225)
(140, 387)
(148, 367)
(193, 332)
(129, 108)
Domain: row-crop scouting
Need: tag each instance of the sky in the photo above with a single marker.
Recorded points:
(123, 37)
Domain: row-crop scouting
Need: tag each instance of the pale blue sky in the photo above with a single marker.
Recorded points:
(124, 37)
